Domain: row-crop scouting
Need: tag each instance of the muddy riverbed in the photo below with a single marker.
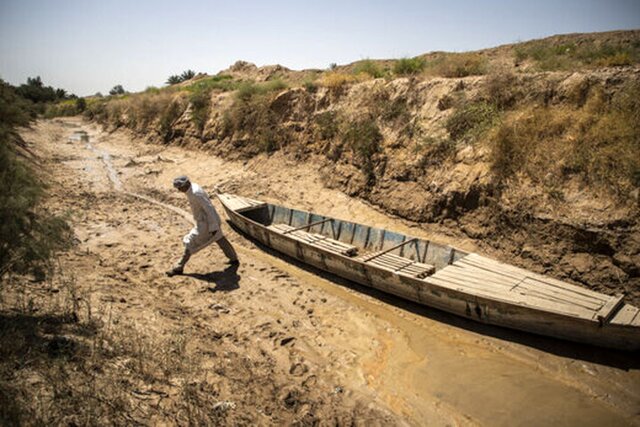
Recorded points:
(341, 348)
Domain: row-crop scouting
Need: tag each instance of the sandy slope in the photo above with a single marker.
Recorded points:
(286, 343)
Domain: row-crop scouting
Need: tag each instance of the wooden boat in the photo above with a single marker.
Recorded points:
(440, 276)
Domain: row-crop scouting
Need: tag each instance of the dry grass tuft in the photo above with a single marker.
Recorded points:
(457, 65)
(336, 80)
(598, 142)
(64, 361)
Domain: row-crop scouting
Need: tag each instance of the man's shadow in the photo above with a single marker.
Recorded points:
(226, 280)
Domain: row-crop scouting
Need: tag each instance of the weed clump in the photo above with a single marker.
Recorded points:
(458, 65)
(247, 90)
(598, 142)
(471, 121)
(168, 119)
(363, 138)
(29, 235)
(557, 56)
(409, 66)
(251, 114)
(310, 86)
(431, 151)
(200, 106)
(335, 81)
(370, 68)
(502, 90)
(326, 126)
(220, 83)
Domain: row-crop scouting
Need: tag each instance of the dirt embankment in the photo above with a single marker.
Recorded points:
(433, 151)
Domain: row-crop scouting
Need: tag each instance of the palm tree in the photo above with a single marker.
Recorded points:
(187, 75)
(174, 79)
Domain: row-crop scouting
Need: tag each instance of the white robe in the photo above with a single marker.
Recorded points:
(207, 229)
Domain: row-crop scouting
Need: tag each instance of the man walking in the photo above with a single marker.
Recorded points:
(207, 229)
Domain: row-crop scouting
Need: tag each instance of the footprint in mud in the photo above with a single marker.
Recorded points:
(310, 381)
(298, 369)
(220, 308)
(287, 340)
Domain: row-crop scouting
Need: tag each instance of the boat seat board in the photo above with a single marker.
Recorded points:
(609, 309)
(397, 264)
(316, 240)
(239, 204)
(491, 279)
(627, 315)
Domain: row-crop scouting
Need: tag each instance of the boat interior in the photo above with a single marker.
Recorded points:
(384, 249)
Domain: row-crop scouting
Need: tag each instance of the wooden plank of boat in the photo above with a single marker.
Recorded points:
(519, 286)
(628, 315)
(397, 264)
(529, 284)
(604, 307)
(530, 301)
(609, 309)
(239, 204)
(512, 271)
(492, 279)
(317, 240)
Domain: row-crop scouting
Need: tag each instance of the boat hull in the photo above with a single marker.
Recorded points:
(459, 301)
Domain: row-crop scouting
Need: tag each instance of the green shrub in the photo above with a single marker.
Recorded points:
(251, 115)
(62, 109)
(326, 126)
(409, 66)
(369, 67)
(382, 102)
(553, 56)
(29, 235)
(168, 119)
(310, 86)
(458, 65)
(247, 90)
(396, 110)
(200, 107)
(432, 151)
(363, 138)
(96, 110)
(502, 90)
(221, 83)
(470, 121)
(81, 105)
(598, 142)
